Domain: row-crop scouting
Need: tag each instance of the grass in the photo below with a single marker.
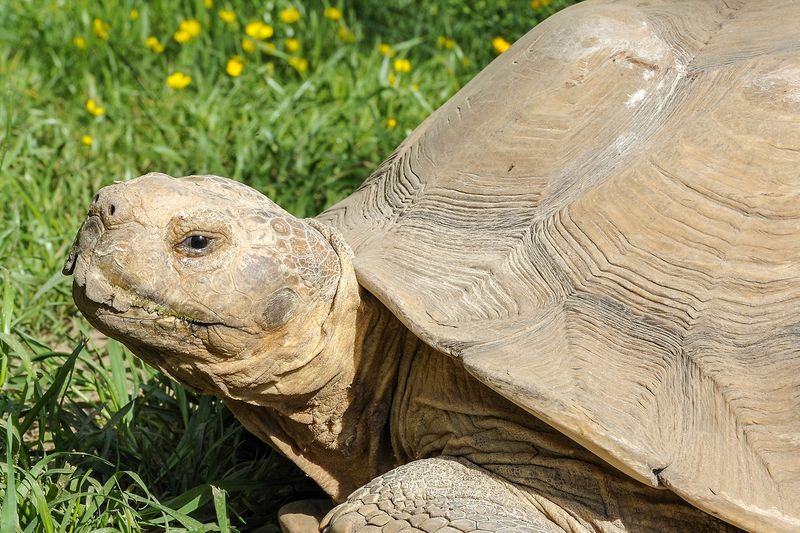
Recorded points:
(93, 440)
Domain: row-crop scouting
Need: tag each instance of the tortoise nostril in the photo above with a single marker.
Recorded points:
(96, 197)
(111, 209)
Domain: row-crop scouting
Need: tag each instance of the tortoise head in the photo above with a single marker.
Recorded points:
(210, 281)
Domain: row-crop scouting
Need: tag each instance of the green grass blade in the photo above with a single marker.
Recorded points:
(40, 502)
(221, 509)
(8, 514)
(50, 396)
(119, 382)
(54, 280)
(19, 349)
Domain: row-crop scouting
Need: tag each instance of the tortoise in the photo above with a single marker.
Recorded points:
(567, 301)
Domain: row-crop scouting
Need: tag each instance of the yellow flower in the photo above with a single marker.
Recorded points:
(414, 87)
(258, 30)
(249, 46)
(402, 65)
(93, 108)
(500, 45)
(178, 80)
(134, 14)
(292, 45)
(79, 42)
(538, 4)
(386, 50)
(332, 13)
(234, 67)
(270, 47)
(298, 63)
(445, 42)
(346, 35)
(100, 28)
(182, 36)
(208, 3)
(86, 140)
(290, 15)
(392, 79)
(227, 16)
(190, 26)
(391, 123)
(154, 44)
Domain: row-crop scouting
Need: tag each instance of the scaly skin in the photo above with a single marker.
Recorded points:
(270, 318)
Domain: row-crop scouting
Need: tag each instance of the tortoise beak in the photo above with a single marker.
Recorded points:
(87, 238)
(69, 264)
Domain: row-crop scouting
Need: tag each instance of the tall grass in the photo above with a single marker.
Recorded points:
(92, 440)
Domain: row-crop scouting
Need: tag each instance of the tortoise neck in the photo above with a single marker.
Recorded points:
(350, 414)
(339, 435)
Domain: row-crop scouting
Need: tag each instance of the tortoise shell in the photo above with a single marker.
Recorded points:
(604, 227)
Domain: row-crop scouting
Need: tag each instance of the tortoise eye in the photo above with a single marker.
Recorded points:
(196, 243)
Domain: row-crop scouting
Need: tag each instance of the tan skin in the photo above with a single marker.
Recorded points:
(220, 288)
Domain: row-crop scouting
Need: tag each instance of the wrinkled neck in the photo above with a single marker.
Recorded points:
(340, 435)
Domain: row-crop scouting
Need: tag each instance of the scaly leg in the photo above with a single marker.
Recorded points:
(442, 495)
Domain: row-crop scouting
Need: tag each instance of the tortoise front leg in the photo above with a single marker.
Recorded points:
(303, 516)
(442, 495)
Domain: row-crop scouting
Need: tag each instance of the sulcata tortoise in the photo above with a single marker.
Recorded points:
(570, 300)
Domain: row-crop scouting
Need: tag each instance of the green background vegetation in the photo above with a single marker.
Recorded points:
(90, 438)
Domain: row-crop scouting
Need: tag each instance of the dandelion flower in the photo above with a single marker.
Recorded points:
(386, 50)
(154, 44)
(346, 35)
(332, 13)
(445, 42)
(538, 4)
(182, 36)
(134, 14)
(86, 140)
(249, 46)
(500, 45)
(292, 45)
(79, 42)
(290, 15)
(258, 30)
(178, 80)
(208, 4)
(227, 16)
(190, 26)
(298, 63)
(100, 28)
(402, 65)
(234, 67)
(391, 123)
(391, 79)
(270, 47)
(414, 87)
(93, 108)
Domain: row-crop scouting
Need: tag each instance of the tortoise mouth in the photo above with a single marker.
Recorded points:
(140, 312)
(145, 313)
